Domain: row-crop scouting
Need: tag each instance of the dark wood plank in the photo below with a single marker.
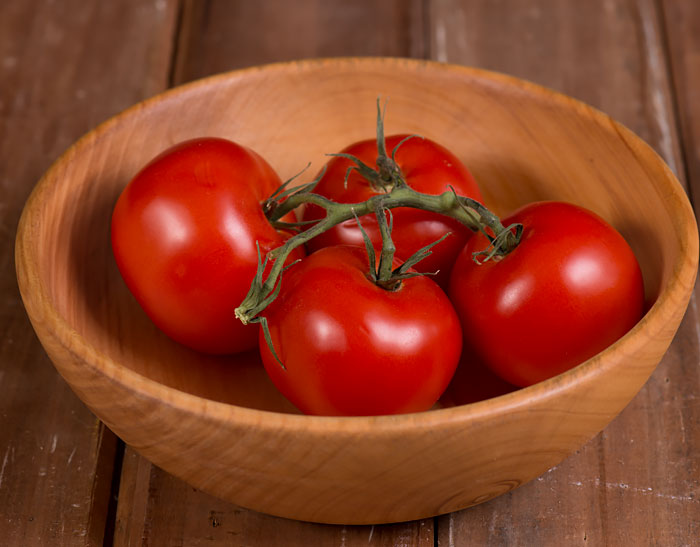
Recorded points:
(606, 53)
(681, 20)
(156, 509)
(637, 482)
(64, 67)
(221, 35)
(682, 30)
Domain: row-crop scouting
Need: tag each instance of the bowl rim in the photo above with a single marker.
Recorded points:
(681, 278)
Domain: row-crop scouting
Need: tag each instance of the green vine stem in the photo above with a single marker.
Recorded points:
(386, 258)
(468, 211)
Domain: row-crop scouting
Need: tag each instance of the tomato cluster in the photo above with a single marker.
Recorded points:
(190, 232)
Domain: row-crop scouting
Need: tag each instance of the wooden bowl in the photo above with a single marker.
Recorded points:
(218, 423)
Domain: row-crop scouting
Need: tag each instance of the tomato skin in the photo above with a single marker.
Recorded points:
(183, 235)
(427, 167)
(571, 288)
(353, 348)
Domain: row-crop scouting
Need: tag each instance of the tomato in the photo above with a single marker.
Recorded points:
(353, 348)
(184, 235)
(570, 288)
(427, 167)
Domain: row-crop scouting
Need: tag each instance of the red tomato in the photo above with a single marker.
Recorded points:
(353, 348)
(184, 235)
(570, 288)
(427, 167)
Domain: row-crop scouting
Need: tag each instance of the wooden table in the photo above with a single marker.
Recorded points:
(66, 65)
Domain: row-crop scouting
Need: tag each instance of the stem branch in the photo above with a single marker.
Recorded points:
(386, 258)
(463, 209)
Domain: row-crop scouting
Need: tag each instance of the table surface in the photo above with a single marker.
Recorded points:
(65, 66)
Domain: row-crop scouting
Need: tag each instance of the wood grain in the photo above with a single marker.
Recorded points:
(608, 53)
(681, 28)
(61, 75)
(221, 35)
(633, 484)
(156, 509)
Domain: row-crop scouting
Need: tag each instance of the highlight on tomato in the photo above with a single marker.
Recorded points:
(185, 236)
(570, 288)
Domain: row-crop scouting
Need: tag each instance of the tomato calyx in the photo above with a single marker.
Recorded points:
(270, 204)
(502, 240)
(382, 274)
(387, 175)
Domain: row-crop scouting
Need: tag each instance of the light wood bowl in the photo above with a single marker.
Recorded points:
(218, 423)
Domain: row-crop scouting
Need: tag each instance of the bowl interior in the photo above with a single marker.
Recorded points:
(521, 142)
